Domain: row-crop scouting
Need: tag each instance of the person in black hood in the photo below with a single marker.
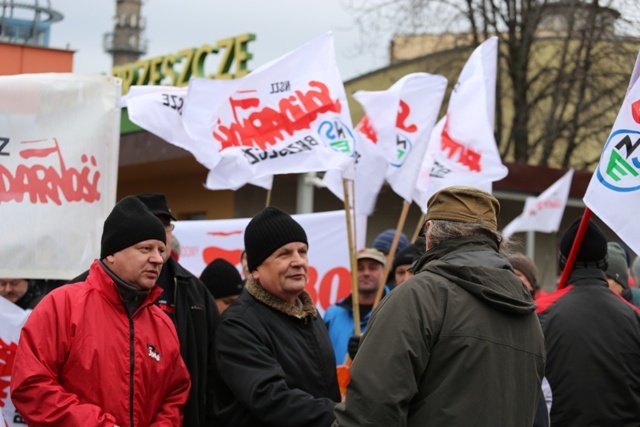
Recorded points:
(459, 342)
(22, 292)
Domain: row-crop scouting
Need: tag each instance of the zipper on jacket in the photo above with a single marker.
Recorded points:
(131, 369)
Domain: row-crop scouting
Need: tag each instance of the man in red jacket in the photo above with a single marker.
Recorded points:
(100, 353)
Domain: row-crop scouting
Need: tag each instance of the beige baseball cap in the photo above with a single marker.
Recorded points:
(372, 253)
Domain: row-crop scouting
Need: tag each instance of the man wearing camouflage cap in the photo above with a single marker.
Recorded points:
(458, 343)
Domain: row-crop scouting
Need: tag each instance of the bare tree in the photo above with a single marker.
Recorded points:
(564, 65)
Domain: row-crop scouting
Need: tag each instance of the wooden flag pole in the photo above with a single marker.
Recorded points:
(352, 257)
(577, 242)
(268, 197)
(392, 252)
(416, 233)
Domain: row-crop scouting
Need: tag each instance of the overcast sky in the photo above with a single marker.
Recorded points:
(279, 25)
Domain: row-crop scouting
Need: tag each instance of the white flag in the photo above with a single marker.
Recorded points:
(158, 109)
(59, 143)
(392, 137)
(368, 176)
(418, 100)
(543, 213)
(614, 190)
(462, 149)
(288, 116)
(12, 318)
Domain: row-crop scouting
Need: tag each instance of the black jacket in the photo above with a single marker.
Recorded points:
(196, 318)
(276, 362)
(593, 353)
(31, 298)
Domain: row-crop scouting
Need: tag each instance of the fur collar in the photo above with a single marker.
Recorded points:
(303, 308)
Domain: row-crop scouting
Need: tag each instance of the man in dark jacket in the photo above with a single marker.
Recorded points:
(593, 341)
(272, 349)
(22, 292)
(458, 343)
(191, 306)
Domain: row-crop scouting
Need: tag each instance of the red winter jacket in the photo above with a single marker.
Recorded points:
(81, 361)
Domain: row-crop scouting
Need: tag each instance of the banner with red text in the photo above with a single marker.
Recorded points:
(392, 137)
(543, 213)
(59, 142)
(158, 109)
(203, 241)
(12, 318)
(462, 149)
(288, 116)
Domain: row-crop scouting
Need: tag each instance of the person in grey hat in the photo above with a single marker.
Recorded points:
(100, 352)
(273, 353)
(457, 344)
(618, 274)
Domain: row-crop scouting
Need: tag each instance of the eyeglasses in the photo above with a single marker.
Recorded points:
(169, 226)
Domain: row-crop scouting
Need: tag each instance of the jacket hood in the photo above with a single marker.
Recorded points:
(474, 264)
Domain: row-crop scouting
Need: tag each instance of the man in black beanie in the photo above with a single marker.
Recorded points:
(223, 281)
(100, 352)
(186, 300)
(273, 351)
(593, 341)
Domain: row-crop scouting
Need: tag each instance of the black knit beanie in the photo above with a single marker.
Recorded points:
(129, 222)
(593, 250)
(405, 256)
(269, 230)
(222, 278)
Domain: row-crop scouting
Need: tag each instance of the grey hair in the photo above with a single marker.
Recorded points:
(443, 230)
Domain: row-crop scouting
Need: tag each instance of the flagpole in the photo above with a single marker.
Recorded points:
(416, 233)
(392, 252)
(352, 257)
(577, 242)
(268, 197)
(531, 244)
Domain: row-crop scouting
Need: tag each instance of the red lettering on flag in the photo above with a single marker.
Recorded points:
(266, 127)
(365, 128)
(465, 156)
(403, 114)
(7, 357)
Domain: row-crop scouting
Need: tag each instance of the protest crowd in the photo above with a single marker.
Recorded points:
(454, 326)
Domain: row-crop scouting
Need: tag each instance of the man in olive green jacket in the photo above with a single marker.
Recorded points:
(457, 344)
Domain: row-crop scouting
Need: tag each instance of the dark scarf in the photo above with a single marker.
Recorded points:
(131, 297)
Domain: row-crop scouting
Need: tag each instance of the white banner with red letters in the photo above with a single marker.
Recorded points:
(158, 109)
(59, 143)
(288, 116)
(462, 148)
(203, 241)
(418, 99)
(12, 318)
(392, 137)
(543, 213)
